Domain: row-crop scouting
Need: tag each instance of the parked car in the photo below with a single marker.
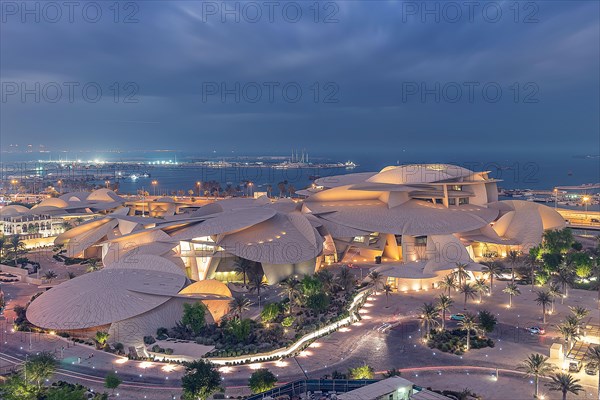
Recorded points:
(575, 366)
(591, 368)
(457, 317)
(595, 220)
(536, 330)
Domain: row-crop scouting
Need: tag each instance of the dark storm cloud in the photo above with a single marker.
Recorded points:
(364, 65)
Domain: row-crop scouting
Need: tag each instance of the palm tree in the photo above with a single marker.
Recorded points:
(568, 330)
(513, 259)
(579, 312)
(328, 280)
(512, 290)
(239, 304)
(292, 287)
(554, 292)
(565, 277)
(387, 289)
(345, 279)
(71, 275)
(461, 272)
(429, 316)
(469, 324)
(448, 283)
(564, 383)
(376, 279)
(243, 267)
(593, 356)
(543, 299)
(532, 261)
(536, 365)
(50, 275)
(443, 304)
(492, 269)
(16, 245)
(469, 291)
(481, 287)
(256, 284)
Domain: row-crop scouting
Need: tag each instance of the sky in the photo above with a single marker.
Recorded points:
(340, 76)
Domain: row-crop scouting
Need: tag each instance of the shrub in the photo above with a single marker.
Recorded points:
(149, 340)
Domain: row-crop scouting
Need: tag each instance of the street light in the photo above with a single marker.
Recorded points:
(107, 182)
(586, 200)
(198, 185)
(60, 186)
(555, 197)
(154, 183)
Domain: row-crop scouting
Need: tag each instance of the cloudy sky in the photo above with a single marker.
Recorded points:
(346, 75)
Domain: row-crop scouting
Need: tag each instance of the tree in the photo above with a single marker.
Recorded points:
(469, 324)
(564, 383)
(65, 393)
(390, 373)
(487, 320)
(70, 275)
(579, 313)
(40, 367)
(311, 285)
(292, 287)
(243, 267)
(532, 261)
(565, 278)
(543, 299)
(362, 372)
(112, 381)
(387, 290)
(239, 304)
(240, 328)
(558, 241)
(593, 356)
(513, 259)
(554, 292)
(270, 312)
(262, 380)
(429, 316)
(318, 302)
(469, 291)
(3, 243)
(50, 275)
(345, 279)
(327, 279)
(568, 330)
(481, 287)
(492, 269)
(536, 366)
(257, 284)
(17, 246)
(512, 290)
(443, 304)
(448, 283)
(16, 388)
(201, 380)
(376, 279)
(101, 337)
(461, 273)
(194, 316)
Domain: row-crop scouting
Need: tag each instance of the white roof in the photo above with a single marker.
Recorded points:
(376, 390)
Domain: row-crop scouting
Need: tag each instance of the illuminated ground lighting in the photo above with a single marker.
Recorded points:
(305, 353)
(225, 370)
(357, 323)
(168, 368)
(367, 317)
(315, 344)
(363, 311)
(370, 298)
(345, 329)
(367, 305)
(121, 361)
(146, 364)
(256, 366)
(281, 364)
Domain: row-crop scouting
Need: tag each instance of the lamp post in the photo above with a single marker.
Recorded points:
(555, 197)
(154, 183)
(199, 186)
(107, 183)
(585, 200)
(60, 182)
(250, 184)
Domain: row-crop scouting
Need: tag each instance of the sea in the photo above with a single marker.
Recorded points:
(173, 171)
